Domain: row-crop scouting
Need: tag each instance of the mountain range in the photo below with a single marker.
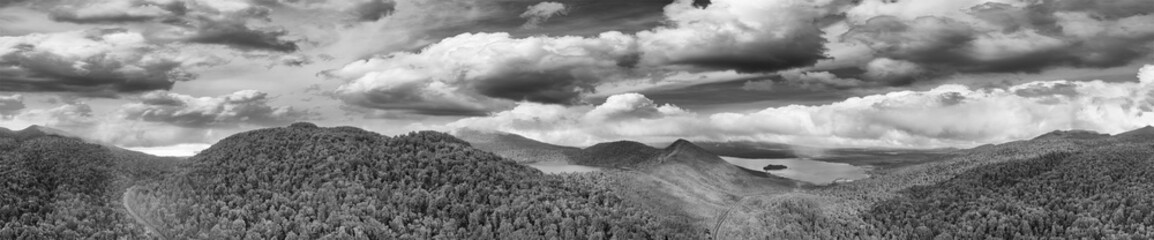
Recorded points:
(308, 182)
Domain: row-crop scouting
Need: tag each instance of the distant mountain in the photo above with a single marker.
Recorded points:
(1146, 133)
(615, 154)
(1071, 134)
(308, 182)
(34, 131)
(516, 147)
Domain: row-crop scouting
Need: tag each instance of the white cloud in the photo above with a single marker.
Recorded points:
(944, 37)
(97, 62)
(541, 12)
(747, 36)
(946, 116)
(474, 73)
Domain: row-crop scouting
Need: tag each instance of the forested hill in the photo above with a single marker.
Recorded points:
(307, 182)
(62, 188)
(615, 154)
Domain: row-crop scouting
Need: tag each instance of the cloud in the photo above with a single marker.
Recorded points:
(71, 114)
(947, 37)
(119, 11)
(11, 105)
(101, 62)
(242, 107)
(819, 80)
(472, 74)
(747, 36)
(541, 12)
(946, 116)
(221, 22)
(759, 85)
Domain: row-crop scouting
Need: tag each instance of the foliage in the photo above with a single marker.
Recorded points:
(329, 183)
(59, 188)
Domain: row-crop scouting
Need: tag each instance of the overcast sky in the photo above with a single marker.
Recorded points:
(174, 75)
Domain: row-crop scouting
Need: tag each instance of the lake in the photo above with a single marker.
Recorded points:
(803, 169)
(563, 168)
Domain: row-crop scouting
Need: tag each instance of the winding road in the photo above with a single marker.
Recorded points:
(129, 204)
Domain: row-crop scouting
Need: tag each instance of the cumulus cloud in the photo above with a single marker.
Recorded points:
(946, 116)
(747, 36)
(221, 22)
(476, 73)
(941, 37)
(99, 62)
(241, 107)
(541, 12)
(11, 105)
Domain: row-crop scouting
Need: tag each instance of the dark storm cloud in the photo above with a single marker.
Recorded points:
(561, 88)
(240, 35)
(374, 10)
(775, 93)
(6, 3)
(1001, 38)
(803, 51)
(582, 18)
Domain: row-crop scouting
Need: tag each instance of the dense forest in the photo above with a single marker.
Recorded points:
(305, 182)
(59, 187)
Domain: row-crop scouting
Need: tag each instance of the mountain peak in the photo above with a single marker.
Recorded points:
(682, 144)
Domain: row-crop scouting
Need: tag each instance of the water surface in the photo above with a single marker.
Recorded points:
(804, 169)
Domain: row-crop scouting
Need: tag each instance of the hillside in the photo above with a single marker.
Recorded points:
(682, 179)
(615, 154)
(1044, 188)
(61, 188)
(516, 147)
(308, 182)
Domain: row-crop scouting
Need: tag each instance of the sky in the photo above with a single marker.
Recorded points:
(174, 76)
